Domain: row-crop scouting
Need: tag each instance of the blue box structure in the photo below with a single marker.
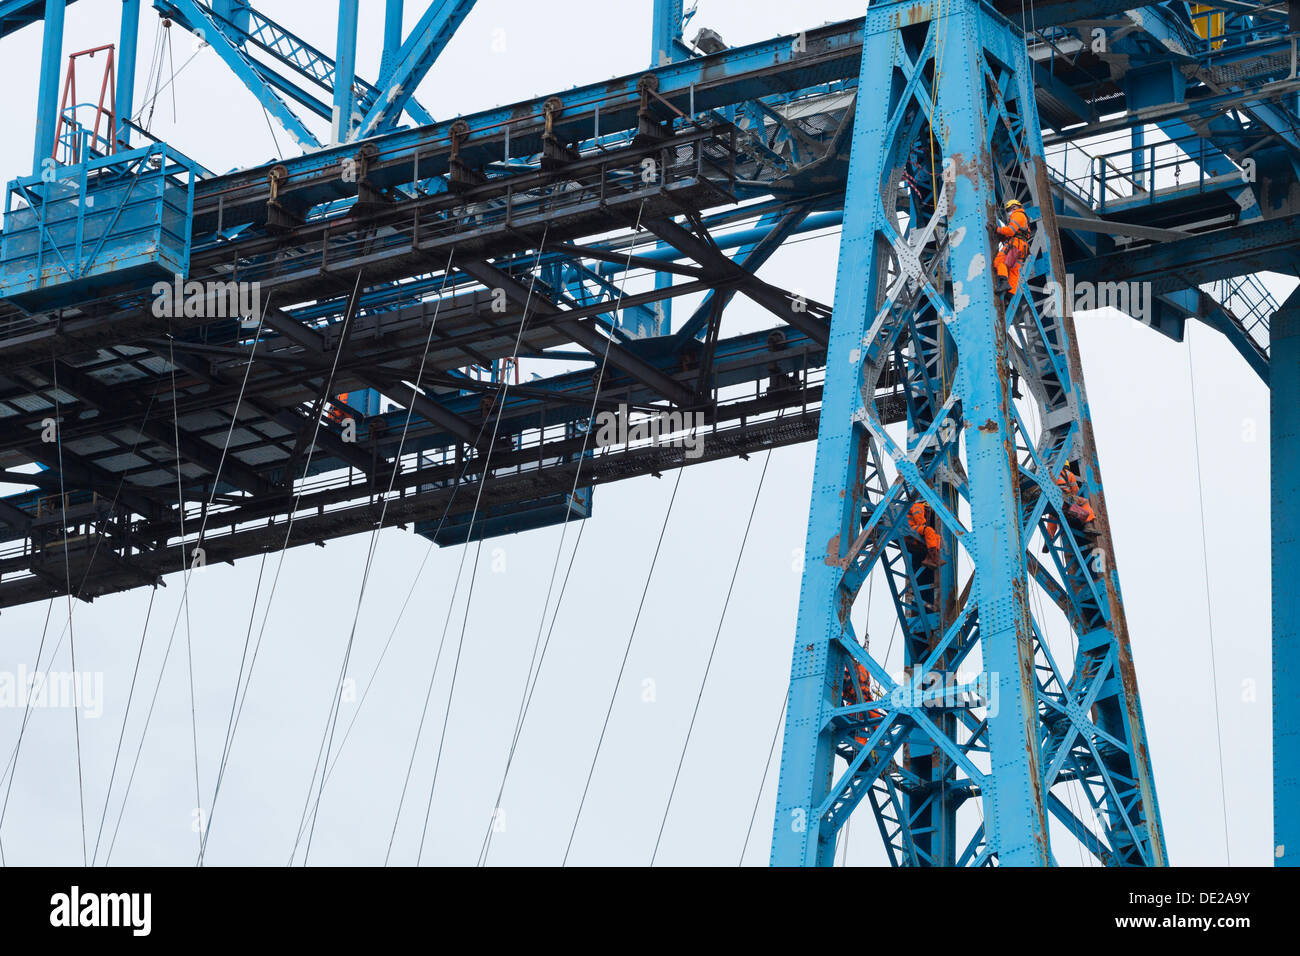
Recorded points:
(114, 221)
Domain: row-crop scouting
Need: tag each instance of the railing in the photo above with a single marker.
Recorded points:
(1112, 178)
(1248, 302)
(443, 220)
(1146, 172)
(77, 144)
(1214, 31)
(100, 221)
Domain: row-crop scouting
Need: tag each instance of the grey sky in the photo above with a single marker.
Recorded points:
(1138, 385)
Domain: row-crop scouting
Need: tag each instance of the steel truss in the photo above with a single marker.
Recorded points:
(945, 132)
(753, 144)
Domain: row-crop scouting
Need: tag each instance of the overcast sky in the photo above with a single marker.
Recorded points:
(508, 50)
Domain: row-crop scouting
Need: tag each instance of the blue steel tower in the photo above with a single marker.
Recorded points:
(965, 757)
(977, 732)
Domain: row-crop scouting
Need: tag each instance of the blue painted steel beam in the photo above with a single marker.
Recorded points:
(735, 364)
(426, 42)
(47, 91)
(1262, 245)
(293, 91)
(1160, 22)
(928, 305)
(393, 10)
(16, 14)
(761, 69)
(666, 33)
(126, 52)
(1049, 13)
(344, 71)
(237, 13)
(249, 26)
(744, 238)
(771, 233)
(1284, 435)
(226, 44)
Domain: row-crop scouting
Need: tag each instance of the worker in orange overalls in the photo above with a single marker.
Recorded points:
(1012, 251)
(850, 695)
(926, 548)
(923, 545)
(337, 414)
(1078, 510)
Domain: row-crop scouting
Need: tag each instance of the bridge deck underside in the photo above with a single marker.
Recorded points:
(160, 413)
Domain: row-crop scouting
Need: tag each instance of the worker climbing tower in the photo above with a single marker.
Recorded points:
(988, 745)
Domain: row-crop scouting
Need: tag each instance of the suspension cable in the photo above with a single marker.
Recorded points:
(622, 667)
(189, 638)
(11, 763)
(126, 714)
(538, 658)
(771, 750)
(499, 397)
(233, 725)
(374, 545)
(216, 479)
(22, 726)
(712, 650)
(486, 848)
(302, 824)
(1209, 606)
(72, 644)
(469, 530)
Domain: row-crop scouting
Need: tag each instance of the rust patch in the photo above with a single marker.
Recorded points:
(989, 426)
(970, 168)
(832, 558)
(844, 606)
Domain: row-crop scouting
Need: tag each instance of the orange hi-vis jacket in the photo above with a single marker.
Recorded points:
(850, 695)
(1014, 250)
(1016, 231)
(918, 520)
(1068, 481)
(336, 414)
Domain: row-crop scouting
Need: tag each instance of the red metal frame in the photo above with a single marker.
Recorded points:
(107, 90)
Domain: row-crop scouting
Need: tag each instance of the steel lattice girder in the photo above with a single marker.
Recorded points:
(922, 295)
(251, 26)
(417, 54)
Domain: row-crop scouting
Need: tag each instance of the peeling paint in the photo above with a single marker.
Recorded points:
(969, 168)
(959, 298)
(919, 13)
(832, 556)
(976, 267)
